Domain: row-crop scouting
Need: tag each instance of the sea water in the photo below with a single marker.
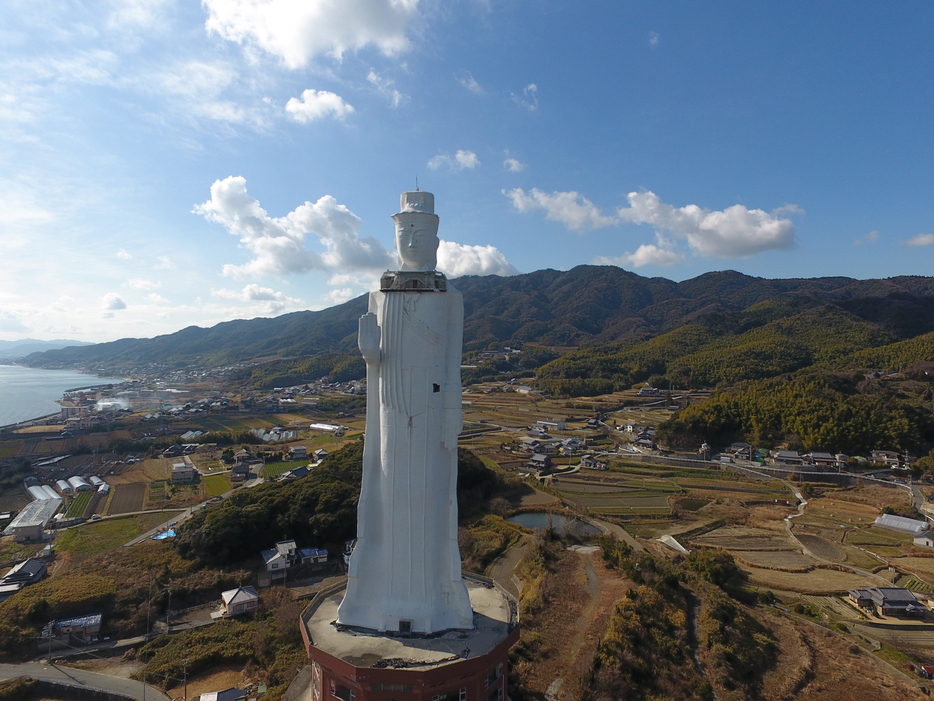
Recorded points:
(28, 393)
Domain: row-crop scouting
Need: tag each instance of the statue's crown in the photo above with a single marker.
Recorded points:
(417, 201)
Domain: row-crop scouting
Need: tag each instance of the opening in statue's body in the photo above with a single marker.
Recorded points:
(405, 571)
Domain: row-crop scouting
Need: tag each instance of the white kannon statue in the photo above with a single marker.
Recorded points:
(405, 572)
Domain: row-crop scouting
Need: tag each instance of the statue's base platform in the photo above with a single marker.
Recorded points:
(457, 665)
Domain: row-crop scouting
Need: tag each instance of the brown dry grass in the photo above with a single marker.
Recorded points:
(780, 559)
(835, 511)
(817, 665)
(873, 495)
(216, 680)
(844, 675)
(795, 662)
(821, 547)
(922, 565)
(572, 623)
(817, 581)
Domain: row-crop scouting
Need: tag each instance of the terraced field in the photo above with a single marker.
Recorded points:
(822, 548)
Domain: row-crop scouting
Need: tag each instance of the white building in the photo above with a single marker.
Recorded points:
(902, 524)
(79, 484)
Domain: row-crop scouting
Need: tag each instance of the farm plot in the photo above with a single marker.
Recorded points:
(626, 501)
(822, 548)
(215, 485)
(79, 504)
(877, 536)
(827, 511)
(745, 539)
(776, 559)
(581, 488)
(817, 581)
(127, 498)
(923, 566)
(276, 469)
(222, 423)
(99, 536)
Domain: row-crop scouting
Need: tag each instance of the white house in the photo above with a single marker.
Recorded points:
(239, 600)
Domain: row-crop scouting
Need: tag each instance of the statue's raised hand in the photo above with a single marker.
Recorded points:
(368, 337)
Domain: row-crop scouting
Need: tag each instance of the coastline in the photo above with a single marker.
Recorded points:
(27, 423)
(37, 393)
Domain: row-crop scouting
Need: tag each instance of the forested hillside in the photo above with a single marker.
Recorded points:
(586, 307)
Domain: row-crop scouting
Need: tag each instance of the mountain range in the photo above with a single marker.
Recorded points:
(13, 350)
(586, 306)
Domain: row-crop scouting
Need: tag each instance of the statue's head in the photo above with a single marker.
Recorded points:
(417, 232)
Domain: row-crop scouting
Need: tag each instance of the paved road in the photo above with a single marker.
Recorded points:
(82, 678)
(502, 570)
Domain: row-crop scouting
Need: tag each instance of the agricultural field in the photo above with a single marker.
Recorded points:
(127, 498)
(817, 581)
(627, 490)
(79, 504)
(96, 537)
(215, 485)
(221, 423)
(276, 469)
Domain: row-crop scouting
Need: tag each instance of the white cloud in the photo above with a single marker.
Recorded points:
(871, 237)
(296, 32)
(468, 81)
(513, 165)
(646, 254)
(341, 295)
(529, 97)
(18, 207)
(455, 260)
(654, 38)
(386, 88)
(466, 159)
(138, 283)
(112, 302)
(570, 208)
(459, 161)
(278, 244)
(274, 302)
(11, 322)
(921, 240)
(316, 104)
(165, 263)
(788, 209)
(123, 255)
(157, 298)
(200, 86)
(136, 13)
(733, 232)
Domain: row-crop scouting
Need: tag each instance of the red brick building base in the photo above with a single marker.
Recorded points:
(479, 678)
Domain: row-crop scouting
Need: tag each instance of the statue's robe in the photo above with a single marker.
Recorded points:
(405, 571)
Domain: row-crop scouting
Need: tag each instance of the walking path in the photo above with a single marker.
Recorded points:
(82, 679)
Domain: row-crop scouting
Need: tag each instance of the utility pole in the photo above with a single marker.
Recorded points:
(168, 613)
(148, 607)
(185, 675)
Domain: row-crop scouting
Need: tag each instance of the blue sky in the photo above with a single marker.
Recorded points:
(167, 163)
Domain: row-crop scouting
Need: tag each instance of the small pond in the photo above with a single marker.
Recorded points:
(539, 521)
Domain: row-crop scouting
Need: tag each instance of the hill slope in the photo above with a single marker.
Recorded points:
(583, 307)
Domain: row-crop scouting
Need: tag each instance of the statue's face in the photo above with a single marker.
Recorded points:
(417, 246)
